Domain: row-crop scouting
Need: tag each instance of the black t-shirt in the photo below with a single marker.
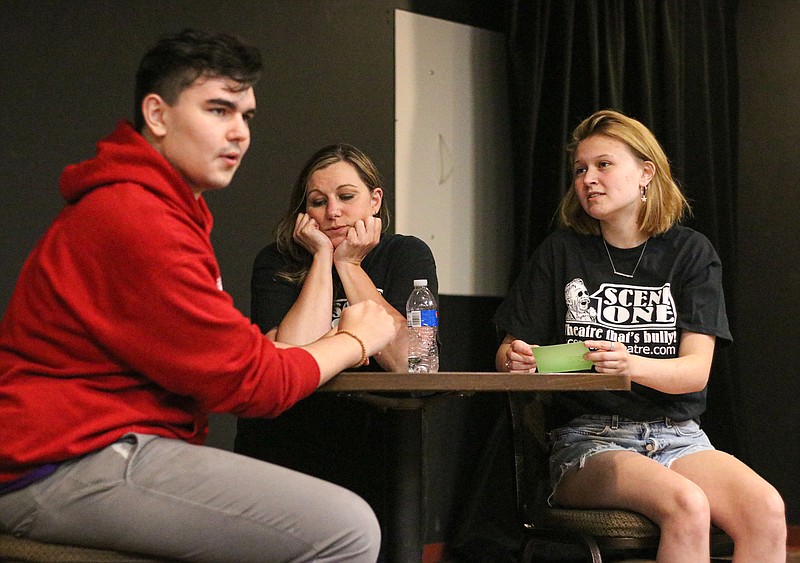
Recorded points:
(568, 292)
(392, 266)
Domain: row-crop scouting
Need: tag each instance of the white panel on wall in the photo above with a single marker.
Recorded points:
(453, 150)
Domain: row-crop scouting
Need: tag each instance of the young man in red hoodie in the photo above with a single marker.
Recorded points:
(118, 341)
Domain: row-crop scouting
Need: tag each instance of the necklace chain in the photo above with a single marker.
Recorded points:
(624, 275)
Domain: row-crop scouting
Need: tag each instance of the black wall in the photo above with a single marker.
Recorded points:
(66, 76)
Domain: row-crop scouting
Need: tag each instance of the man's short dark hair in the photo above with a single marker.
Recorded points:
(178, 60)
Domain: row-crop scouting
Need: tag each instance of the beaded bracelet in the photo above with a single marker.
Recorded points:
(364, 357)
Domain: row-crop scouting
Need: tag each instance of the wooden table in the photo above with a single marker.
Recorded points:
(408, 394)
(359, 381)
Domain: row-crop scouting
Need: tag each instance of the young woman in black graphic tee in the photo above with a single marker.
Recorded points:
(645, 296)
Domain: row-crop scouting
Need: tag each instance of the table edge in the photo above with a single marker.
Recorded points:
(475, 381)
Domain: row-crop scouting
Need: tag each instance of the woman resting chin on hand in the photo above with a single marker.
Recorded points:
(331, 254)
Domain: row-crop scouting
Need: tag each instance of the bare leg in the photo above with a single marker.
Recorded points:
(623, 479)
(743, 504)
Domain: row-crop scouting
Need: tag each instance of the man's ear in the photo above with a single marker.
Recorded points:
(154, 110)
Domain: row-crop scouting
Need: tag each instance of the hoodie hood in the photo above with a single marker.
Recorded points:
(126, 157)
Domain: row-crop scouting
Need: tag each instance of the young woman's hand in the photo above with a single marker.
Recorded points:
(308, 235)
(362, 237)
(608, 356)
(515, 355)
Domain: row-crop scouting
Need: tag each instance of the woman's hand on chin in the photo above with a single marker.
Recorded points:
(361, 238)
(309, 236)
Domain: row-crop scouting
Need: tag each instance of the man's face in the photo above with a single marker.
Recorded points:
(206, 132)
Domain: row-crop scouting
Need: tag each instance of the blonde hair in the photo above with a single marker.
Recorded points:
(665, 205)
(298, 257)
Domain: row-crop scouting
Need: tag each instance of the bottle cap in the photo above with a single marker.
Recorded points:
(420, 283)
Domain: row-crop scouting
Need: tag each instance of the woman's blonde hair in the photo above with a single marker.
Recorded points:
(665, 203)
(298, 257)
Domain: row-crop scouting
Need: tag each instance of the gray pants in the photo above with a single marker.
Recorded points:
(165, 498)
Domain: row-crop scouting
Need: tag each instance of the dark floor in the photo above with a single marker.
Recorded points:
(792, 556)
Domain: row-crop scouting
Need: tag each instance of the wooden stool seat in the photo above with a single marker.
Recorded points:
(23, 550)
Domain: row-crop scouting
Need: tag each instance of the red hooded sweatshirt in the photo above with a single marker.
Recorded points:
(119, 324)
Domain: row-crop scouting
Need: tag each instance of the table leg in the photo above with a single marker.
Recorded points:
(406, 533)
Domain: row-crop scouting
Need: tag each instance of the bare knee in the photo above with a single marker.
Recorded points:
(687, 514)
(772, 509)
(685, 521)
(763, 517)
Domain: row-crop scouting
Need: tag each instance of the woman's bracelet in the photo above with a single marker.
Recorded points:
(364, 357)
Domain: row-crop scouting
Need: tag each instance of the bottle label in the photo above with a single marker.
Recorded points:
(427, 317)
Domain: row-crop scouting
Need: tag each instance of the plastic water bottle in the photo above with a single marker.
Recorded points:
(423, 323)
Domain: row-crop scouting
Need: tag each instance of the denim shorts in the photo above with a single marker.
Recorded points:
(663, 440)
